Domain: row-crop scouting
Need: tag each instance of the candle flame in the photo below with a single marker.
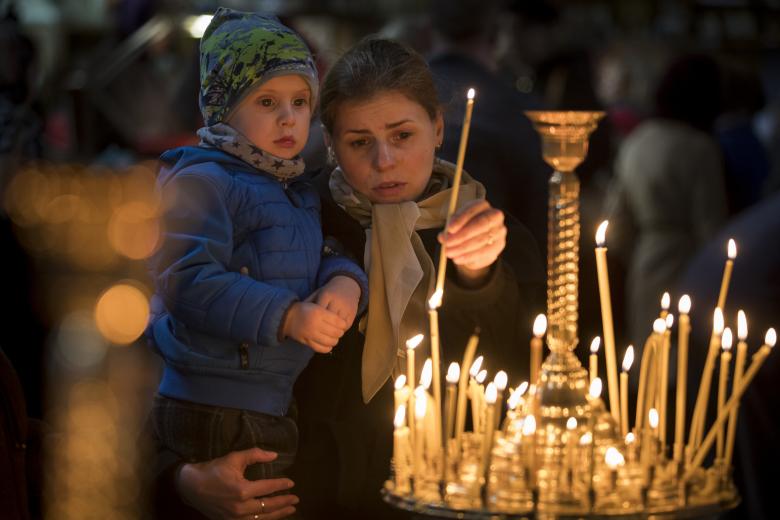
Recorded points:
(742, 331)
(666, 300)
(601, 233)
(475, 366)
(717, 321)
(770, 338)
(571, 423)
(529, 425)
(481, 376)
(522, 387)
(727, 339)
(419, 408)
(514, 400)
(659, 326)
(412, 342)
(400, 416)
(427, 374)
(586, 438)
(540, 325)
(435, 300)
(684, 306)
(614, 458)
(732, 249)
(652, 417)
(471, 93)
(453, 373)
(628, 358)
(501, 380)
(491, 394)
(630, 438)
(595, 344)
(400, 382)
(669, 321)
(595, 388)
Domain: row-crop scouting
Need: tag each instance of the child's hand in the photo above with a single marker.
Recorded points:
(315, 326)
(340, 295)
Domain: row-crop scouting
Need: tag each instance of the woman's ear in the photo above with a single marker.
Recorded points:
(331, 155)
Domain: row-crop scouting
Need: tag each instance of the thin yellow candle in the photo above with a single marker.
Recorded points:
(401, 393)
(464, 137)
(723, 377)
(473, 397)
(529, 440)
(649, 440)
(453, 375)
(571, 442)
(647, 373)
(412, 344)
(700, 408)
(739, 368)
(487, 440)
(479, 397)
(614, 459)
(683, 333)
(431, 429)
(758, 360)
(401, 451)
(664, 388)
(628, 359)
(724, 284)
(500, 380)
(460, 414)
(631, 447)
(593, 359)
(433, 303)
(540, 327)
(419, 437)
(606, 318)
(666, 301)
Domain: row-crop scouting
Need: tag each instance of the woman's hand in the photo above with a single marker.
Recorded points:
(474, 239)
(218, 489)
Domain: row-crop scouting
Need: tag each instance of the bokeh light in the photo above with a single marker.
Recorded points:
(121, 313)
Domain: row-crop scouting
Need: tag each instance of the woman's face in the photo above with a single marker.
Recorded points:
(385, 145)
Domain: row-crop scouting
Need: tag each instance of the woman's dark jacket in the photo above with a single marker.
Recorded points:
(346, 445)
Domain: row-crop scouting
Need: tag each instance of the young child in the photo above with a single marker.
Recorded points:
(245, 293)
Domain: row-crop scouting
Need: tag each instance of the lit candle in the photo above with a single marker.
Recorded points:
(529, 440)
(649, 439)
(571, 442)
(614, 459)
(412, 344)
(473, 398)
(593, 373)
(758, 360)
(700, 408)
(540, 327)
(500, 380)
(648, 373)
(723, 377)
(464, 137)
(460, 417)
(666, 300)
(401, 393)
(514, 403)
(400, 451)
(631, 447)
(419, 437)
(739, 368)
(663, 393)
(479, 395)
(453, 374)
(487, 441)
(594, 393)
(433, 303)
(683, 332)
(724, 284)
(628, 359)
(433, 440)
(606, 318)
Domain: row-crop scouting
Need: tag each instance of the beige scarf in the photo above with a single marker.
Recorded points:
(401, 274)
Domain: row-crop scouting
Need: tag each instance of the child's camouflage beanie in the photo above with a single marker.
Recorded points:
(239, 51)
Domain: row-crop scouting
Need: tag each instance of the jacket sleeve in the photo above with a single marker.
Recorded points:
(191, 268)
(334, 263)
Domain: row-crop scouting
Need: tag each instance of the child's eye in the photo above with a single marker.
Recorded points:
(266, 102)
(301, 102)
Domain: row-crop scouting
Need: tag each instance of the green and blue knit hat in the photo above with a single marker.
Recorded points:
(239, 51)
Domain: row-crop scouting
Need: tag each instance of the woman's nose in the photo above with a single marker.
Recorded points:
(384, 158)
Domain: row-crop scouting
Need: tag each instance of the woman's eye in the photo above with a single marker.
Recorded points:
(357, 143)
(401, 136)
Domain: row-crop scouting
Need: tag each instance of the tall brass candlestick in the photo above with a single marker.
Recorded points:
(758, 360)
(540, 327)
(593, 359)
(724, 284)
(606, 318)
(464, 137)
(739, 368)
(460, 417)
(700, 408)
(433, 303)
(683, 332)
(723, 377)
(628, 359)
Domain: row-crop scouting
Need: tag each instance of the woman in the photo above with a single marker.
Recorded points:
(386, 203)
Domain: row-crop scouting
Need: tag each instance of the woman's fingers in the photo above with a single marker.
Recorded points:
(480, 224)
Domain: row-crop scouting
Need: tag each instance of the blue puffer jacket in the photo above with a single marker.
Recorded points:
(239, 248)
